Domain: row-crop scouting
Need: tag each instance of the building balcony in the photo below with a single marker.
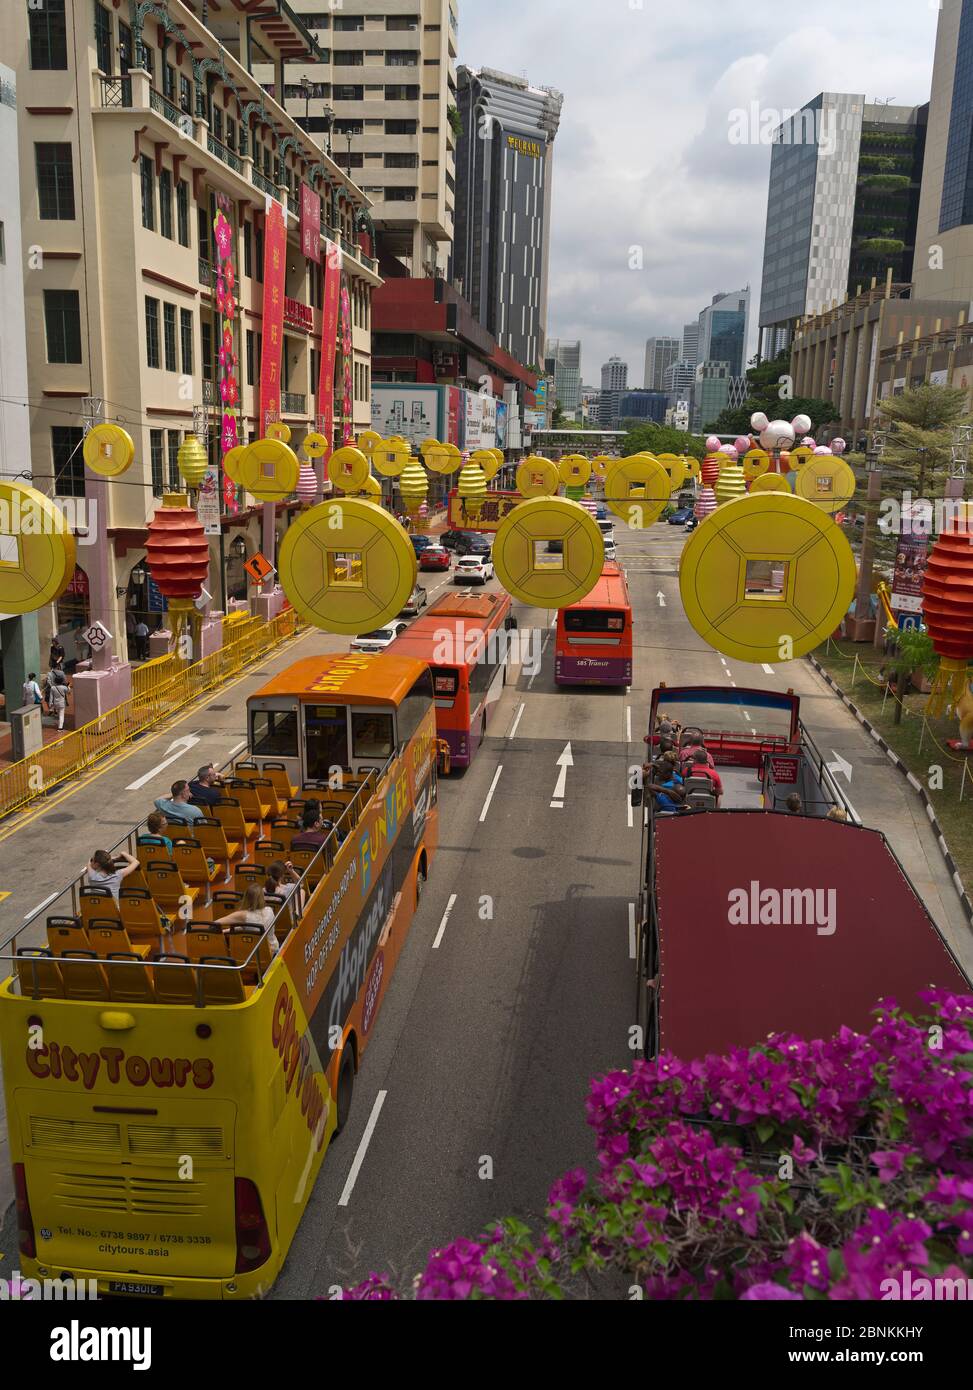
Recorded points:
(293, 403)
(209, 392)
(229, 158)
(261, 181)
(205, 272)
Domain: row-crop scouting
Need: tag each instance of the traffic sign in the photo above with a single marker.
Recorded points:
(258, 567)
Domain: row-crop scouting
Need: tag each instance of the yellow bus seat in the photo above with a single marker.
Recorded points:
(216, 845)
(140, 914)
(241, 942)
(222, 985)
(83, 975)
(129, 981)
(168, 889)
(108, 938)
(192, 863)
(98, 902)
(284, 831)
(147, 853)
(265, 852)
(66, 934)
(245, 874)
(39, 974)
(203, 939)
(174, 979)
(283, 909)
(283, 785)
(230, 815)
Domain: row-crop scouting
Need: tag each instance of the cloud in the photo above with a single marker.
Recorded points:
(643, 156)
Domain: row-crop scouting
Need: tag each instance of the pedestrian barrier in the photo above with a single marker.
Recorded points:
(155, 672)
(66, 757)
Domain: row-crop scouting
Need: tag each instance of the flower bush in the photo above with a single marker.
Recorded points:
(794, 1169)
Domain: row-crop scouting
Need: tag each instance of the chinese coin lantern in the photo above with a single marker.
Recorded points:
(472, 489)
(192, 461)
(947, 607)
(177, 554)
(730, 484)
(413, 486)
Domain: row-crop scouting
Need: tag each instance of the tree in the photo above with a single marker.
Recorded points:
(662, 439)
(913, 651)
(764, 387)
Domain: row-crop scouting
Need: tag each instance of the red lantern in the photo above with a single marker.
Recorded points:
(709, 471)
(177, 548)
(947, 606)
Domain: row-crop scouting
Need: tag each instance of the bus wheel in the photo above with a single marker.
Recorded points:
(346, 1088)
(420, 882)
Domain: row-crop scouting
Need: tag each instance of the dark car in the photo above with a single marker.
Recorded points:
(435, 557)
(420, 543)
(449, 539)
(680, 516)
(472, 545)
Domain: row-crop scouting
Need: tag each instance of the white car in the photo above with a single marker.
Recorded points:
(378, 640)
(610, 552)
(473, 569)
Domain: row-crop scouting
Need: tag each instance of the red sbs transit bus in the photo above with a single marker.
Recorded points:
(464, 640)
(594, 637)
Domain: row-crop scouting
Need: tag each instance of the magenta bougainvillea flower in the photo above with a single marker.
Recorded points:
(228, 434)
(230, 275)
(826, 1168)
(223, 236)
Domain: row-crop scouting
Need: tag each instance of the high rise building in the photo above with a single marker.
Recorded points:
(690, 343)
(711, 393)
(136, 130)
(503, 205)
(382, 91)
(19, 646)
(723, 327)
(677, 380)
(842, 207)
(614, 375)
(563, 363)
(659, 353)
(945, 221)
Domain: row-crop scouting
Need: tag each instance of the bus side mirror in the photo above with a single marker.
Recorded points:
(637, 796)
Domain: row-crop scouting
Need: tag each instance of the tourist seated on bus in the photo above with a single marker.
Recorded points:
(666, 727)
(177, 807)
(700, 766)
(205, 787)
(282, 878)
(688, 750)
(105, 872)
(666, 786)
(155, 828)
(838, 813)
(793, 806)
(255, 912)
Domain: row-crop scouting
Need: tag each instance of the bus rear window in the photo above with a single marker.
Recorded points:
(593, 620)
(445, 680)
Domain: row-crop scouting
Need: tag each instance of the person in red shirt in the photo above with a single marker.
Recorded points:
(689, 749)
(700, 767)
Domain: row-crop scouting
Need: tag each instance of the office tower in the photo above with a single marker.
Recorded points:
(690, 343)
(614, 375)
(723, 326)
(563, 362)
(503, 205)
(842, 207)
(659, 354)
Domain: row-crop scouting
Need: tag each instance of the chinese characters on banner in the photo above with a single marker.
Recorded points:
(329, 341)
(347, 407)
(208, 502)
(226, 308)
(310, 223)
(275, 261)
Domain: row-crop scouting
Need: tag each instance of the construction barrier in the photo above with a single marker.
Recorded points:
(33, 776)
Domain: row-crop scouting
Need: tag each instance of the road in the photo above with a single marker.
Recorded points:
(516, 985)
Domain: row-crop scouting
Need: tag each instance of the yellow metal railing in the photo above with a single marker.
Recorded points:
(66, 757)
(155, 672)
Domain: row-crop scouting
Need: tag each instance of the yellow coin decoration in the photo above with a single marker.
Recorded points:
(269, 469)
(770, 482)
(637, 490)
(537, 477)
(755, 463)
(826, 481)
(537, 576)
(574, 470)
(347, 566)
(487, 460)
(692, 465)
(601, 464)
(315, 445)
(278, 430)
(45, 549)
(371, 487)
(677, 468)
(348, 468)
(390, 457)
(767, 577)
(108, 450)
(799, 457)
(231, 462)
(498, 455)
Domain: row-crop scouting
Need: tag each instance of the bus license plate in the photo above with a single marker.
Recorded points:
(140, 1290)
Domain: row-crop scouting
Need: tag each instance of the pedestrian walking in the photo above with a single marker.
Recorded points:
(57, 652)
(142, 640)
(32, 691)
(57, 698)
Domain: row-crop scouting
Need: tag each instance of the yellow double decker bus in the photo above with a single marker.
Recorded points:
(172, 1085)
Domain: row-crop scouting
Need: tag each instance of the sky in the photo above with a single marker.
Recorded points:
(655, 210)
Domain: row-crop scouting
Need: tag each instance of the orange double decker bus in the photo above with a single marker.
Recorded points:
(593, 644)
(463, 638)
(172, 1085)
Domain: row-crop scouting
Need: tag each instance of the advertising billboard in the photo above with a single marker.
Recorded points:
(501, 432)
(408, 409)
(481, 421)
(453, 407)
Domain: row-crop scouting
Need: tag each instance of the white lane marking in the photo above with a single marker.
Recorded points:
(442, 925)
(723, 660)
(746, 716)
(733, 683)
(557, 805)
(366, 1139)
(553, 622)
(489, 797)
(768, 669)
(233, 751)
(516, 723)
(628, 723)
(40, 906)
(563, 763)
(631, 931)
(628, 807)
(181, 747)
(543, 650)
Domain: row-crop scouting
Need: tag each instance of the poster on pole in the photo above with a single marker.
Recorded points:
(910, 568)
(329, 340)
(275, 261)
(208, 501)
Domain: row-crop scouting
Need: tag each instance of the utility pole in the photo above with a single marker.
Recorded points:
(876, 447)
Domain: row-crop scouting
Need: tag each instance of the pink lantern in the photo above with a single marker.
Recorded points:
(705, 503)
(759, 422)
(838, 446)
(742, 443)
(822, 449)
(307, 484)
(712, 444)
(731, 451)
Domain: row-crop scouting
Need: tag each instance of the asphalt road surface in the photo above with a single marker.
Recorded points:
(516, 984)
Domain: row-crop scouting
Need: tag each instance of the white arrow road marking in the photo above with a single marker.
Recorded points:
(840, 766)
(366, 1139)
(176, 750)
(564, 762)
(662, 599)
(442, 925)
(768, 669)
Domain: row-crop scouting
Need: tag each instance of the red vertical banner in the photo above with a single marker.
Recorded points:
(329, 340)
(310, 223)
(275, 261)
(347, 404)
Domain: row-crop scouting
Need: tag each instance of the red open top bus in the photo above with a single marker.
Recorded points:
(463, 638)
